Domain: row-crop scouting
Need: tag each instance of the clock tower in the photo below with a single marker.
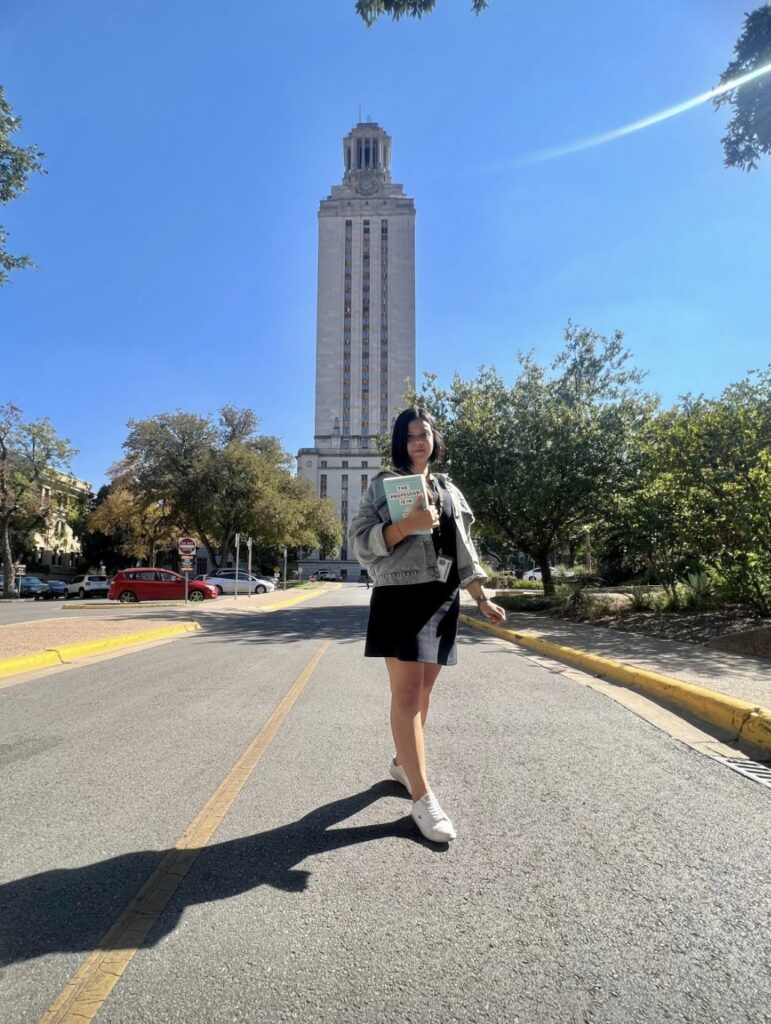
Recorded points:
(365, 324)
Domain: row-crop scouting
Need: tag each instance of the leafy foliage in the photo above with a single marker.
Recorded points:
(537, 459)
(370, 10)
(214, 478)
(700, 494)
(29, 454)
(17, 163)
(749, 131)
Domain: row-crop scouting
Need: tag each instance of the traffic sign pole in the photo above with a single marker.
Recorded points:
(187, 548)
(238, 551)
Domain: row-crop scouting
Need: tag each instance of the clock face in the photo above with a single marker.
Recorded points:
(367, 183)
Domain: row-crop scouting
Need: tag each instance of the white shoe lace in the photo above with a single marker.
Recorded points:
(433, 808)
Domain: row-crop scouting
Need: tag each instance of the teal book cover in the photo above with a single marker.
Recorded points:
(401, 494)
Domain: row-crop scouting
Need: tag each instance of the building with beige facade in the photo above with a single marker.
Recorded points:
(56, 548)
(365, 327)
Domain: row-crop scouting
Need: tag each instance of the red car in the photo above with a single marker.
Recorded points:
(130, 585)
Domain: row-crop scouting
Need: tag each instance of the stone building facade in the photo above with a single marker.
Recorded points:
(56, 548)
(365, 327)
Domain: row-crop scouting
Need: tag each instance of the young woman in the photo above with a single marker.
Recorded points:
(413, 614)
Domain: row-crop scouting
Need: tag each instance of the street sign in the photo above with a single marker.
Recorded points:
(186, 564)
(187, 547)
(20, 570)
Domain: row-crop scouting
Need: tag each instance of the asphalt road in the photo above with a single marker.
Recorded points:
(27, 609)
(603, 871)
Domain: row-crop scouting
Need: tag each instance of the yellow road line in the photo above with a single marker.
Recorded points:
(83, 996)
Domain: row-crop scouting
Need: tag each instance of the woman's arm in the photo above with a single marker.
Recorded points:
(491, 611)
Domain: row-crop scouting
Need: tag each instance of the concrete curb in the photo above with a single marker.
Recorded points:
(745, 722)
(69, 652)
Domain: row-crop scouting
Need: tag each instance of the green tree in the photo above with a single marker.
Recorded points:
(17, 163)
(722, 465)
(700, 493)
(749, 131)
(538, 459)
(370, 10)
(220, 478)
(653, 520)
(98, 548)
(140, 527)
(29, 454)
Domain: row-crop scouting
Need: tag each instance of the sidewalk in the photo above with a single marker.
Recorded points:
(115, 625)
(727, 690)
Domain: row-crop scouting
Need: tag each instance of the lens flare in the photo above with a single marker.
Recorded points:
(646, 122)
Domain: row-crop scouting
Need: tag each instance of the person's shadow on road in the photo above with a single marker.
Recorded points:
(70, 910)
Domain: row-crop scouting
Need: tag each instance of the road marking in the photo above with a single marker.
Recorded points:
(83, 996)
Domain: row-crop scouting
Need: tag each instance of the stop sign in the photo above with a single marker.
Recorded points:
(187, 547)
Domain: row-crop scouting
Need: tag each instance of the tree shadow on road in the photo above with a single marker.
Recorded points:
(71, 909)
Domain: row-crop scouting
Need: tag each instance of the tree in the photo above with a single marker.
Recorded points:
(98, 548)
(721, 465)
(537, 460)
(654, 519)
(29, 454)
(370, 10)
(220, 478)
(17, 163)
(749, 131)
(140, 527)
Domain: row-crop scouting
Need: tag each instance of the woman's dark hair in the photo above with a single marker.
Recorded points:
(399, 454)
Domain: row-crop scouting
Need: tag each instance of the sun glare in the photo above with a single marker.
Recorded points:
(646, 122)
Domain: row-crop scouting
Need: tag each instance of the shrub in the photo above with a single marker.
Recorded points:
(506, 581)
(524, 602)
(697, 590)
(642, 599)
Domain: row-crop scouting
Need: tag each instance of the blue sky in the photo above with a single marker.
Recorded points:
(188, 145)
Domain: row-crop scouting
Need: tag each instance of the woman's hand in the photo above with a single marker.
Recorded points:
(419, 518)
(492, 612)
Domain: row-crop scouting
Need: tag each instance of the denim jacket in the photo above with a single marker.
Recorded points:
(413, 560)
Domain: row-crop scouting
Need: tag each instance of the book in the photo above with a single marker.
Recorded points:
(401, 494)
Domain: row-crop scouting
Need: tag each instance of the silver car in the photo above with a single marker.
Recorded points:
(225, 582)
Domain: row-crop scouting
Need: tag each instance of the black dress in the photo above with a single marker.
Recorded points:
(419, 621)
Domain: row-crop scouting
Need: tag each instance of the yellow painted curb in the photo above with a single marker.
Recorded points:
(111, 643)
(741, 719)
(28, 662)
(298, 599)
(69, 652)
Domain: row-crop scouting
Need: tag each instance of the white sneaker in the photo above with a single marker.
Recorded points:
(399, 774)
(431, 819)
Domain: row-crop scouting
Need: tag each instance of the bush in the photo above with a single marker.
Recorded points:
(507, 581)
(643, 600)
(524, 602)
(697, 590)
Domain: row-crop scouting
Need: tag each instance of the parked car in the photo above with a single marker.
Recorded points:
(88, 585)
(31, 586)
(55, 589)
(131, 585)
(326, 574)
(534, 575)
(225, 582)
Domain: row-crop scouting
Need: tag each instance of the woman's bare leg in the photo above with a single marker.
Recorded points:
(406, 679)
(430, 672)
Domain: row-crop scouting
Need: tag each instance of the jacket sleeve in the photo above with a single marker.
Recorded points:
(365, 534)
(466, 519)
